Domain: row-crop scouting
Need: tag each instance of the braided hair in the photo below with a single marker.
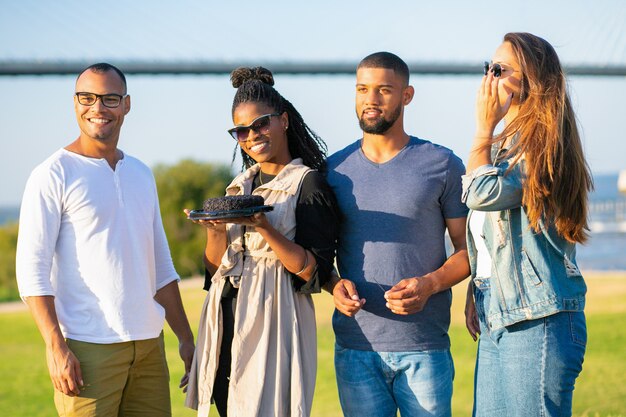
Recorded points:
(255, 85)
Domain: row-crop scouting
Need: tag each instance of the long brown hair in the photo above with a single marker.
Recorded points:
(557, 177)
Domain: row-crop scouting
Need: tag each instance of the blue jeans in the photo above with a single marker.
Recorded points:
(377, 384)
(528, 368)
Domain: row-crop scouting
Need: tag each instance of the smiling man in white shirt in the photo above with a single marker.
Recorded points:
(94, 266)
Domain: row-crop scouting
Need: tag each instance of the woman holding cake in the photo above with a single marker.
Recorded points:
(527, 192)
(256, 352)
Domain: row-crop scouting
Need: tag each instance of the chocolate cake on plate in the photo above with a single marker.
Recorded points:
(233, 202)
(230, 206)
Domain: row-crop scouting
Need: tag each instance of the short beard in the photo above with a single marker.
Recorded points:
(380, 125)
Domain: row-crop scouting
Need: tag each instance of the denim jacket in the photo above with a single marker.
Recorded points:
(533, 274)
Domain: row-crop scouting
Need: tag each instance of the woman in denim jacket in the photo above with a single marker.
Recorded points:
(527, 193)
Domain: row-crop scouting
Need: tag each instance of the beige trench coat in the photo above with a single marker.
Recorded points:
(274, 350)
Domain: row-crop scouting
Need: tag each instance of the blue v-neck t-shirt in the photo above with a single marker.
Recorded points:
(393, 227)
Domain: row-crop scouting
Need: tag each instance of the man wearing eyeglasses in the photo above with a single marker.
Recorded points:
(94, 267)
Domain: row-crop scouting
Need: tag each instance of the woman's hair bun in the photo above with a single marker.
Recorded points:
(245, 74)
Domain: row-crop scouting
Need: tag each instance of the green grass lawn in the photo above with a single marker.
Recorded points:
(26, 391)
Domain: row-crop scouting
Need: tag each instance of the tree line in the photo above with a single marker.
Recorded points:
(185, 184)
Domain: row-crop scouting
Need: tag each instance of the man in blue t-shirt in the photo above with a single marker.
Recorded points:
(398, 195)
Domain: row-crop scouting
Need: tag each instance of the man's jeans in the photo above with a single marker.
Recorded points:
(377, 384)
(528, 368)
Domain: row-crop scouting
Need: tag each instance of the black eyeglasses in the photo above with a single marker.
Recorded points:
(261, 125)
(496, 68)
(107, 100)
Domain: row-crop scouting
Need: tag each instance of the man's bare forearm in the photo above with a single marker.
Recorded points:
(44, 312)
(169, 298)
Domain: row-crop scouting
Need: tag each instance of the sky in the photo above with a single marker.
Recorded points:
(177, 117)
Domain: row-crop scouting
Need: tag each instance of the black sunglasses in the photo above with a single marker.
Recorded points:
(495, 68)
(261, 125)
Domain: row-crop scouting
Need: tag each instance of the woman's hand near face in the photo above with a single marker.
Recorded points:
(489, 112)
(489, 109)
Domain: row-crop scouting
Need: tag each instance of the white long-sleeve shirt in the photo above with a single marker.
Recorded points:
(92, 237)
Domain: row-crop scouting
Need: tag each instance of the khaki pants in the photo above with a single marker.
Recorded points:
(121, 380)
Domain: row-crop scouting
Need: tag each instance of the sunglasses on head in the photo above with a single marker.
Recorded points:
(495, 68)
(261, 125)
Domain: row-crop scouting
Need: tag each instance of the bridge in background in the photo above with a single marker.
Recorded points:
(202, 67)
